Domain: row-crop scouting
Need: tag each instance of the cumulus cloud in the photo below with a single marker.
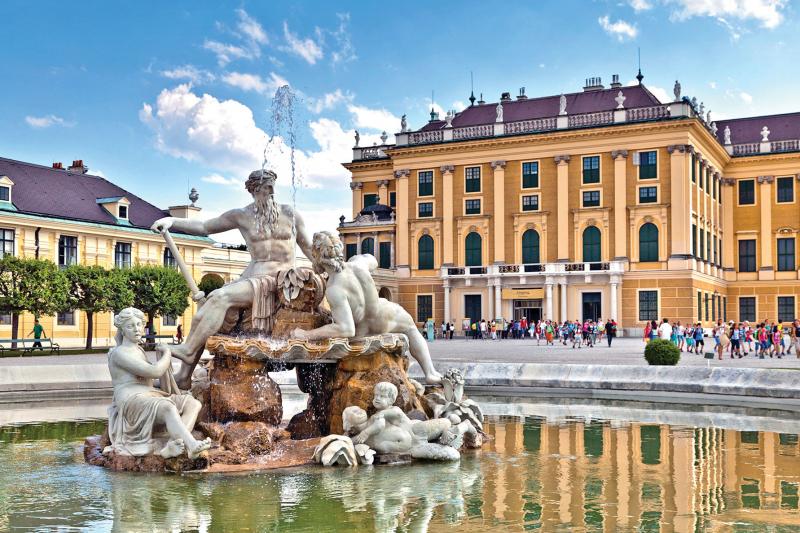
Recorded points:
(226, 52)
(254, 82)
(376, 119)
(746, 97)
(619, 29)
(641, 5)
(251, 28)
(344, 51)
(766, 12)
(46, 121)
(328, 101)
(660, 93)
(188, 72)
(218, 179)
(307, 48)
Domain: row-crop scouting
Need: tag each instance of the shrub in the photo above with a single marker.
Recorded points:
(662, 352)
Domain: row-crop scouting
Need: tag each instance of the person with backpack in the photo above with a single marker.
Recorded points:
(611, 330)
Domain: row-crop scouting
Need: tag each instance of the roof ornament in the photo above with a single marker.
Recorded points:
(708, 116)
(765, 134)
(726, 133)
(499, 112)
(676, 90)
(403, 124)
(384, 137)
(358, 138)
(694, 102)
(702, 109)
(193, 196)
(481, 101)
(471, 90)
(562, 105)
(448, 119)
(620, 99)
(714, 128)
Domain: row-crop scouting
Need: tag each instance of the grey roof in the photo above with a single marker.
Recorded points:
(748, 130)
(41, 190)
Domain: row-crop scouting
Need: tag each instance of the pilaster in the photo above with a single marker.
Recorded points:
(620, 210)
(562, 167)
(726, 190)
(680, 216)
(356, 187)
(402, 221)
(499, 168)
(766, 270)
(383, 192)
(447, 214)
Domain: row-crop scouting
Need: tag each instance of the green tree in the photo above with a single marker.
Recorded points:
(93, 289)
(209, 283)
(157, 291)
(32, 285)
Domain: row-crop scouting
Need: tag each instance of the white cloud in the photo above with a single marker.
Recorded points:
(712, 84)
(619, 29)
(376, 119)
(188, 72)
(541, 65)
(767, 12)
(218, 179)
(660, 93)
(307, 48)
(641, 5)
(46, 121)
(746, 97)
(251, 28)
(228, 52)
(328, 101)
(345, 51)
(254, 82)
(458, 105)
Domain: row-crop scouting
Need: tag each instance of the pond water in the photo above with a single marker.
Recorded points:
(549, 466)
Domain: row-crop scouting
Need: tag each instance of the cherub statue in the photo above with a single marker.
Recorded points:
(141, 418)
(356, 309)
(389, 430)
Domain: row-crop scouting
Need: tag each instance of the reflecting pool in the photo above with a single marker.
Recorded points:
(552, 466)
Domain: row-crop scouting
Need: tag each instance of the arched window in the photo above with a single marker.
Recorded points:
(368, 246)
(648, 242)
(425, 252)
(472, 249)
(530, 247)
(591, 245)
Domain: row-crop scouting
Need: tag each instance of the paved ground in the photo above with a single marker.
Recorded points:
(622, 352)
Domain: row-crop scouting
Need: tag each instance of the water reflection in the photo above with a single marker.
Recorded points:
(535, 474)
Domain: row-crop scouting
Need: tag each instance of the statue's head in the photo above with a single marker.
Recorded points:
(328, 251)
(353, 418)
(261, 184)
(384, 395)
(129, 323)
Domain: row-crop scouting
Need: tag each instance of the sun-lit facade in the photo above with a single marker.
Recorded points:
(601, 203)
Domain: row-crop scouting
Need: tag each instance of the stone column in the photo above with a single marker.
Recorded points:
(562, 162)
(766, 270)
(447, 214)
(620, 202)
(490, 285)
(680, 215)
(383, 192)
(727, 190)
(498, 298)
(392, 258)
(446, 285)
(402, 221)
(548, 299)
(356, 187)
(499, 168)
(613, 300)
(562, 289)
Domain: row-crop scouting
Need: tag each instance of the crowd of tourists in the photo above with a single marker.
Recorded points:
(737, 339)
(587, 333)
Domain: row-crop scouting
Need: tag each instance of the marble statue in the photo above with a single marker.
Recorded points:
(676, 90)
(358, 138)
(498, 112)
(390, 431)
(339, 450)
(448, 119)
(765, 134)
(451, 404)
(714, 128)
(620, 99)
(701, 111)
(694, 102)
(562, 105)
(384, 138)
(143, 420)
(403, 124)
(726, 133)
(356, 309)
(708, 116)
(267, 229)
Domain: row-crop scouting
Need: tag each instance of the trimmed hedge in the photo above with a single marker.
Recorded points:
(662, 352)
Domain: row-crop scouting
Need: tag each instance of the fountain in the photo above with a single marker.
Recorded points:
(347, 346)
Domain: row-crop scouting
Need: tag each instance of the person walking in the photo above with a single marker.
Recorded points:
(179, 334)
(38, 333)
(611, 330)
(665, 330)
(699, 343)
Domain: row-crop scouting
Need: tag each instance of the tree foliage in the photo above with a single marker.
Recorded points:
(33, 285)
(662, 352)
(157, 291)
(209, 283)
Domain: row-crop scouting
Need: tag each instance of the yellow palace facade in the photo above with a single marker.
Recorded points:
(605, 203)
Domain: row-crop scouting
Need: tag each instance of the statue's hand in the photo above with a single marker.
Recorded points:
(163, 350)
(162, 224)
(361, 438)
(300, 334)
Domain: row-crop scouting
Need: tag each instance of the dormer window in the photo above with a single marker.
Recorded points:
(123, 212)
(5, 193)
(118, 207)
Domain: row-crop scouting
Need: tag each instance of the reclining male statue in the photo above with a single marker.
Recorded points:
(266, 227)
(356, 309)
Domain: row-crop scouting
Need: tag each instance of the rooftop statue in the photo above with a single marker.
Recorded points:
(270, 231)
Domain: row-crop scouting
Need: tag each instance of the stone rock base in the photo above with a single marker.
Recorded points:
(93, 454)
(316, 380)
(241, 389)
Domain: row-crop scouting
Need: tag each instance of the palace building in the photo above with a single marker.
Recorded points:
(68, 216)
(603, 203)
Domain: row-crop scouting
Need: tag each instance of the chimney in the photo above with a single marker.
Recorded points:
(615, 84)
(593, 84)
(78, 167)
(58, 166)
(521, 95)
(505, 97)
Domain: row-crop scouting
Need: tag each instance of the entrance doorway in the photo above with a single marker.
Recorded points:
(472, 307)
(591, 305)
(530, 310)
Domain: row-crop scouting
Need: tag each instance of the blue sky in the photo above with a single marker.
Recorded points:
(155, 95)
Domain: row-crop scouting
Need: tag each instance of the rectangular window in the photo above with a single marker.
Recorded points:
(694, 168)
(392, 199)
(747, 255)
(350, 249)
(699, 306)
(66, 318)
(425, 179)
(424, 307)
(591, 199)
(385, 255)
(370, 199)
(706, 309)
(530, 175)
(714, 308)
(702, 244)
(5, 319)
(67, 251)
(786, 254)
(169, 259)
(472, 179)
(122, 212)
(694, 240)
(5, 194)
(530, 203)
(591, 169)
(708, 246)
(747, 308)
(647, 165)
(747, 192)
(785, 190)
(714, 189)
(6, 242)
(708, 180)
(122, 255)
(716, 257)
(168, 320)
(425, 209)
(648, 195)
(472, 207)
(648, 305)
(725, 308)
(786, 309)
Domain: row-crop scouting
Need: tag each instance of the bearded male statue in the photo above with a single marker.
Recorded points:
(266, 227)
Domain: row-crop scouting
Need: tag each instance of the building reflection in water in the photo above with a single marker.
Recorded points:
(575, 475)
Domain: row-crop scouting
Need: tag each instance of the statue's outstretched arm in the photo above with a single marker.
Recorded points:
(226, 221)
(141, 368)
(341, 314)
(303, 238)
